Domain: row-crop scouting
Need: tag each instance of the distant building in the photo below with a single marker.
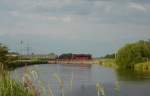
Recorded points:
(75, 57)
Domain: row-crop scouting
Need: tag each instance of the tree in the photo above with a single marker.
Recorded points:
(109, 56)
(3, 53)
(133, 53)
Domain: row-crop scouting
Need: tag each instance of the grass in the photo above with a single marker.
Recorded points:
(143, 67)
(10, 87)
(140, 67)
(111, 63)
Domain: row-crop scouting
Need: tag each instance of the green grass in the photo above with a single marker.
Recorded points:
(140, 67)
(144, 66)
(9, 87)
(111, 63)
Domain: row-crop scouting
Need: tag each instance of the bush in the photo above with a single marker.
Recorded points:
(133, 53)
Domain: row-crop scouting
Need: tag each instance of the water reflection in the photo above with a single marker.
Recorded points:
(130, 75)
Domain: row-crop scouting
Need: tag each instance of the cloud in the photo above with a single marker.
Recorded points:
(137, 7)
(67, 19)
(93, 11)
(75, 23)
(1, 34)
(140, 1)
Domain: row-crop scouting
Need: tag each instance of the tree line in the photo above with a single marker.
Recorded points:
(133, 53)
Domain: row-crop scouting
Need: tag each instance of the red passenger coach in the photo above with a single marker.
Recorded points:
(75, 57)
(81, 57)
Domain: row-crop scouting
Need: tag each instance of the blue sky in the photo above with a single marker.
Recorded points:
(77, 26)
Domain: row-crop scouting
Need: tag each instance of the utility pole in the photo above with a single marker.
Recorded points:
(21, 47)
(28, 49)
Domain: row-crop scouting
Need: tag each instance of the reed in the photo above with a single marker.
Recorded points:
(100, 89)
(9, 87)
(50, 91)
(117, 88)
(71, 81)
(30, 76)
(61, 83)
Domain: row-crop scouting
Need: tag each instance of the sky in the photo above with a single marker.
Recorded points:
(97, 27)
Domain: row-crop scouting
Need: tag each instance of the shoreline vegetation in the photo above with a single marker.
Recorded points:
(9, 87)
(133, 54)
(21, 63)
(139, 67)
(107, 62)
(134, 57)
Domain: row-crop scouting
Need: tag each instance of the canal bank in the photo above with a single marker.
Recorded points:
(22, 63)
(61, 61)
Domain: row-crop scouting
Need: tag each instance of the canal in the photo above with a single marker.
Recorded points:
(78, 80)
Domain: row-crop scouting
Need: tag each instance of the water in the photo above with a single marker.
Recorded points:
(82, 80)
